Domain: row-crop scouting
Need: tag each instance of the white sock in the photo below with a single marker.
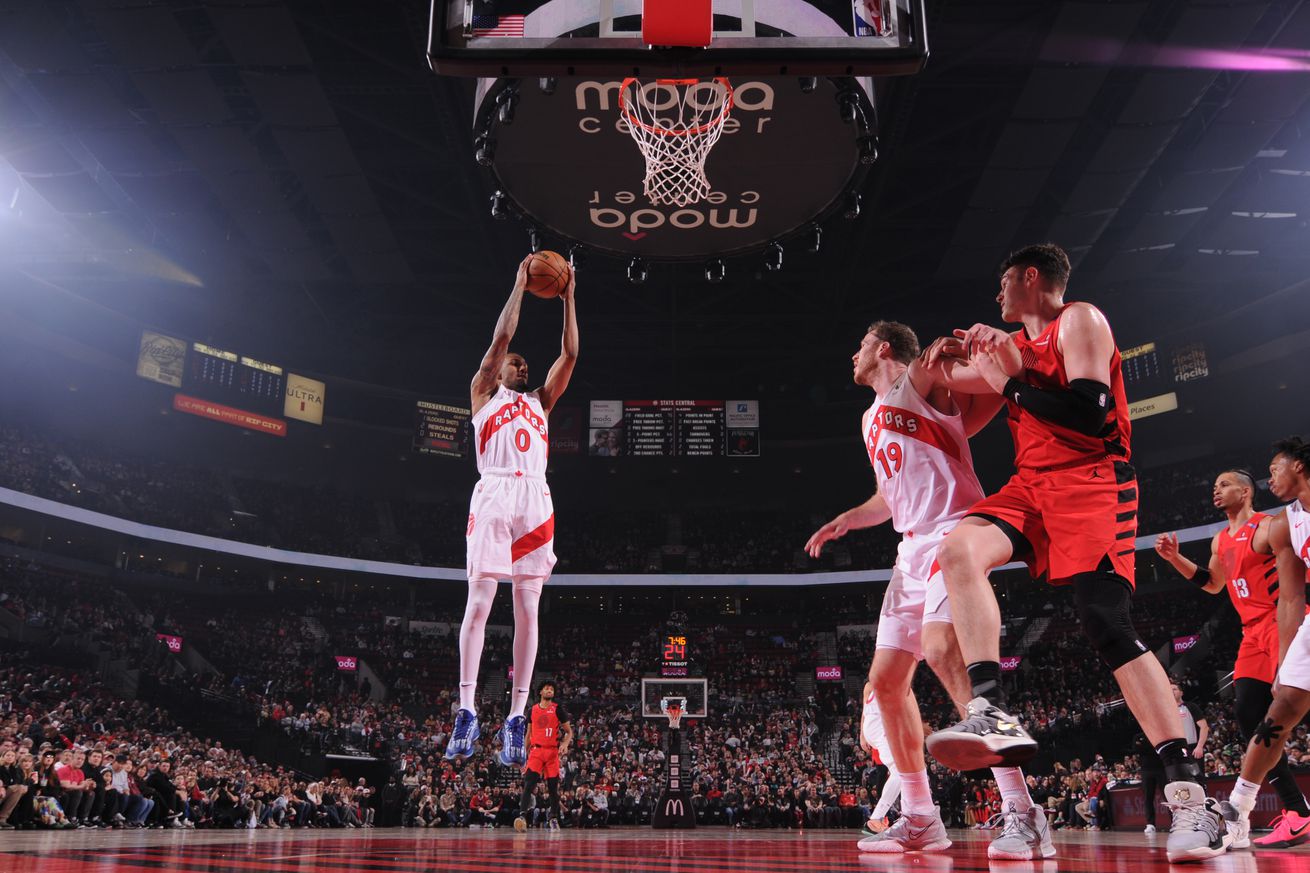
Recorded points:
(916, 794)
(1013, 789)
(527, 594)
(891, 790)
(1243, 795)
(468, 694)
(472, 633)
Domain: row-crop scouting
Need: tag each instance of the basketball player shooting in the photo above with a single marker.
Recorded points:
(549, 736)
(1289, 538)
(1070, 511)
(511, 524)
(917, 437)
(1242, 562)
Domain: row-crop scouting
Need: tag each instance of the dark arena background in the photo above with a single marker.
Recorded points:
(253, 253)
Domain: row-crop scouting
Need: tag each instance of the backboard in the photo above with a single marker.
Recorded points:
(515, 38)
(695, 690)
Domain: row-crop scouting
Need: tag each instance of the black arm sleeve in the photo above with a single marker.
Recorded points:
(1082, 406)
(1201, 577)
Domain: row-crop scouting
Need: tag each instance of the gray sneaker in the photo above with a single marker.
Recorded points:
(988, 737)
(1025, 836)
(911, 833)
(1199, 830)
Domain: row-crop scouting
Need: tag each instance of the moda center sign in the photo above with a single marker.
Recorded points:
(567, 162)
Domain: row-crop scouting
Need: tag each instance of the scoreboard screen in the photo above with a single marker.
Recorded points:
(673, 428)
(235, 380)
(441, 429)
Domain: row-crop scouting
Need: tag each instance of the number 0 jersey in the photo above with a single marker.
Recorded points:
(1252, 577)
(511, 435)
(921, 459)
(545, 724)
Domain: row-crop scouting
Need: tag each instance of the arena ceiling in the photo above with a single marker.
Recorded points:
(290, 179)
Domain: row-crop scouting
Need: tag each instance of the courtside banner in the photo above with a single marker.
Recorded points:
(174, 643)
(828, 674)
(1182, 644)
(161, 358)
(1011, 663)
(347, 663)
(228, 415)
(304, 401)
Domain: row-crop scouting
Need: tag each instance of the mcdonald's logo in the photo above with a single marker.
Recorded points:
(673, 806)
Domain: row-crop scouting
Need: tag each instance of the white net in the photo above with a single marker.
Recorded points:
(675, 123)
(673, 708)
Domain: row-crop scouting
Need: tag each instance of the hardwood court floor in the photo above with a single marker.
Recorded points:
(708, 850)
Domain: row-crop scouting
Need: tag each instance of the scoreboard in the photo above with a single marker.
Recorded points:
(675, 658)
(232, 379)
(674, 428)
(441, 429)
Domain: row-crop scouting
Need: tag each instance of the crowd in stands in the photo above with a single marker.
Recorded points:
(766, 757)
(323, 519)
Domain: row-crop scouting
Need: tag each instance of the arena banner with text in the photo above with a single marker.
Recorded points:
(347, 663)
(1011, 663)
(304, 401)
(1182, 644)
(828, 674)
(229, 415)
(174, 643)
(161, 358)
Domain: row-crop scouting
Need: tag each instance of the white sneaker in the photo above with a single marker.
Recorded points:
(911, 833)
(1149, 830)
(1025, 836)
(1238, 825)
(1199, 829)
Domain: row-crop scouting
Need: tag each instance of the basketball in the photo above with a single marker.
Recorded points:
(548, 274)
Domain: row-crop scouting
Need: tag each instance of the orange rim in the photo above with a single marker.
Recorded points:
(628, 114)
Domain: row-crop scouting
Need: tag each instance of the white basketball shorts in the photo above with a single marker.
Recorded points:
(916, 594)
(1295, 670)
(511, 527)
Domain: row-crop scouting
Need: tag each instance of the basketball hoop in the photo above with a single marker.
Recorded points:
(673, 708)
(675, 123)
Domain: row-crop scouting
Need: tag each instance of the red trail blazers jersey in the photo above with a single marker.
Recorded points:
(1252, 577)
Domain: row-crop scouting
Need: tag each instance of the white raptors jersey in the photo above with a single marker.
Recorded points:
(1298, 525)
(921, 458)
(510, 434)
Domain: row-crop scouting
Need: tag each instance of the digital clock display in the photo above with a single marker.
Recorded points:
(674, 661)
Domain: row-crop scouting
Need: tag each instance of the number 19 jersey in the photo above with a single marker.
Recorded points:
(921, 459)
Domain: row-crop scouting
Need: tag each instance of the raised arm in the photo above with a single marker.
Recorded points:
(1291, 584)
(485, 379)
(562, 370)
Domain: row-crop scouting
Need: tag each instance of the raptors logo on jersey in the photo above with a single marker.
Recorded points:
(512, 433)
(921, 459)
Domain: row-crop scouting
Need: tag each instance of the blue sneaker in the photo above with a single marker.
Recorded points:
(512, 743)
(464, 735)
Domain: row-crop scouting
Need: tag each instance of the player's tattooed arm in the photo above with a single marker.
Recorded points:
(1291, 583)
(485, 379)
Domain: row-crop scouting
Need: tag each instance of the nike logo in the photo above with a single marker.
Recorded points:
(1296, 832)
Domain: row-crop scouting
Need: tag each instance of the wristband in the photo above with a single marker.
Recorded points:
(1201, 577)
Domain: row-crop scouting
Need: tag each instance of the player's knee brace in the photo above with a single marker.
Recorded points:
(1102, 603)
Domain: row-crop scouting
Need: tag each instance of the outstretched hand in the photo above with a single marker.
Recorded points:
(942, 347)
(833, 530)
(1166, 546)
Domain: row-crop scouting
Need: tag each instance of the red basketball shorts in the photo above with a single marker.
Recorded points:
(1257, 657)
(1076, 519)
(544, 761)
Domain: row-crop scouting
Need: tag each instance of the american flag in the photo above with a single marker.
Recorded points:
(503, 25)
